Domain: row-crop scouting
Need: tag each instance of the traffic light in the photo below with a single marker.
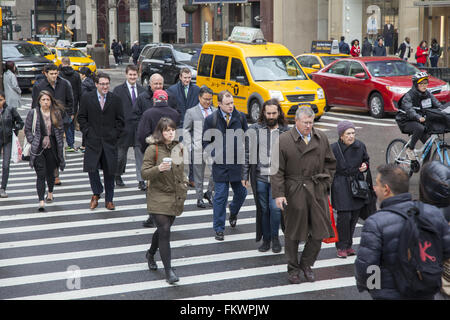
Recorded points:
(1, 17)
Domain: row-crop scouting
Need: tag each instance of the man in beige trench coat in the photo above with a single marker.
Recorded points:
(301, 184)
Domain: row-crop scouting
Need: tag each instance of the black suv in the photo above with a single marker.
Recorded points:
(168, 60)
(28, 60)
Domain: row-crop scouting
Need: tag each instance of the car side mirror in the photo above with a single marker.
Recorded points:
(316, 66)
(360, 75)
(89, 57)
(168, 60)
(53, 51)
(241, 80)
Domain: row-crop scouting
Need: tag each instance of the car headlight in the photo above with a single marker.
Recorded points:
(320, 94)
(54, 60)
(399, 90)
(445, 87)
(92, 64)
(276, 95)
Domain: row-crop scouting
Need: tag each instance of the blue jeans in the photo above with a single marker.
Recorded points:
(271, 215)
(420, 65)
(70, 134)
(221, 199)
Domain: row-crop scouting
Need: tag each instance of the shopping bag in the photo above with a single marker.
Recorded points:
(333, 225)
(16, 149)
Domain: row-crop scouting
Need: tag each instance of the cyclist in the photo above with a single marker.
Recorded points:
(411, 113)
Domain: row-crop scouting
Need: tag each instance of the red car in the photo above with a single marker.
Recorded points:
(372, 83)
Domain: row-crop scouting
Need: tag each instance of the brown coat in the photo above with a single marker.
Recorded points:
(167, 190)
(304, 177)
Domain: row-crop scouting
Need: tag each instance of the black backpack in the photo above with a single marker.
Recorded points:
(418, 267)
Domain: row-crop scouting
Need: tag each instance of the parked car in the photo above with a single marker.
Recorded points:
(168, 60)
(144, 54)
(373, 83)
(28, 60)
(77, 58)
(312, 62)
(63, 44)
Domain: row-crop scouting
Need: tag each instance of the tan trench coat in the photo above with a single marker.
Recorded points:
(304, 177)
(167, 190)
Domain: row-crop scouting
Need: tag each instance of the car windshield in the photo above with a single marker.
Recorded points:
(187, 54)
(278, 68)
(19, 51)
(329, 59)
(71, 53)
(391, 68)
(42, 50)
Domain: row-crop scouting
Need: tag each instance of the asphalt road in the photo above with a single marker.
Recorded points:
(70, 252)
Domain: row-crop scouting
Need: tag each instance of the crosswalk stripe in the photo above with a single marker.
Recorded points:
(130, 168)
(361, 121)
(157, 284)
(267, 292)
(362, 117)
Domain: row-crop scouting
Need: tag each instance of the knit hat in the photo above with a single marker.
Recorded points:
(344, 125)
(160, 95)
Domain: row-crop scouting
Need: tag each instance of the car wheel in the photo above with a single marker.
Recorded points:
(376, 105)
(254, 110)
(317, 118)
(145, 81)
(327, 108)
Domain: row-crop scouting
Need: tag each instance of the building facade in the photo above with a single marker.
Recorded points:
(294, 23)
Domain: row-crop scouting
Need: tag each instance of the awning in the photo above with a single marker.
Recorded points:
(444, 3)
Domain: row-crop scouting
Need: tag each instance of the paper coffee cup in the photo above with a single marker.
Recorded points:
(167, 160)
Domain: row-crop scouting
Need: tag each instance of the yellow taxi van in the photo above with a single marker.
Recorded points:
(43, 50)
(254, 71)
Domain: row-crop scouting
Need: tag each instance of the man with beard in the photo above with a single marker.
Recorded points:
(266, 131)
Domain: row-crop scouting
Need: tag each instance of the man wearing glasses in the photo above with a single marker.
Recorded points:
(300, 187)
(411, 113)
(101, 120)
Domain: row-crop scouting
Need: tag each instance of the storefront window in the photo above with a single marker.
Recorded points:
(145, 22)
(49, 14)
(381, 19)
(123, 25)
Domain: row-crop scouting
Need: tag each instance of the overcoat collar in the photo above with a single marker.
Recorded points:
(300, 144)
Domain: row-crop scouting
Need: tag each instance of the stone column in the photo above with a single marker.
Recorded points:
(182, 32)
(112, 15)
(92, 13)
(156, 14)
(134, 21)
(408, 24)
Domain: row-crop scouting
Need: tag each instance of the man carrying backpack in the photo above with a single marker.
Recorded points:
(403, 245)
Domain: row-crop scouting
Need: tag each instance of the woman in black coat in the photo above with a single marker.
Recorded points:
(352, 160)
(47, 143)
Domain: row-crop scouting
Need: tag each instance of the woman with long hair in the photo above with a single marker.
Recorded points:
(12, 89)
(422, 54)
(163, 166)
(355, 51)
(44, 130)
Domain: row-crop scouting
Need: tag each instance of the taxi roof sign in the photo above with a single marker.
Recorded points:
(247, 35)
(325, 46)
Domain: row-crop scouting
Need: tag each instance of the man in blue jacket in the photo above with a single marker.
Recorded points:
(381, 232)
(230, 126)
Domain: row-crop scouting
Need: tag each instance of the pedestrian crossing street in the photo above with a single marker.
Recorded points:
(70, 252)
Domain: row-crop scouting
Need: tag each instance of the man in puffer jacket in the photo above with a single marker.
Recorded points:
(381, 232)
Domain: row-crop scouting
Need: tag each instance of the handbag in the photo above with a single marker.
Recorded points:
(333, 225)
(16, 151)
(370, 206)
(358, 188)
(26, 150)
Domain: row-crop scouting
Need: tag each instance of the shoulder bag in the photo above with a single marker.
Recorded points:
(358, 188)
(26, 145)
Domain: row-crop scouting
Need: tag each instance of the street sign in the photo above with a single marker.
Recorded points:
(216, 1)
(185, 25)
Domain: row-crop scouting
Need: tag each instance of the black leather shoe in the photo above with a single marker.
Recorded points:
(294, 278)
(119, 182)
(309, 274)
(171, 277)
(233, 220)
(208, 196)
(264, 247)
(219, 236)
(151, 261)
(142, 186)
(148, 223)
(276, 246)
(201, 204)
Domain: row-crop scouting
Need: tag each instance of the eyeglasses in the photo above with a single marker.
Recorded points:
(104, 84)
(423, 83)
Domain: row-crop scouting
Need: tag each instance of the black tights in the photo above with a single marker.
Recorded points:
(161, 238)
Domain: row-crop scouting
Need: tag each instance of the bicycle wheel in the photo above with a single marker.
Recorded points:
(442, 156)
(395, 153)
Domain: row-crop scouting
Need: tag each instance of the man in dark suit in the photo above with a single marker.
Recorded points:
(128, 93)
(226, 170)
(186, 94)
(101, 120)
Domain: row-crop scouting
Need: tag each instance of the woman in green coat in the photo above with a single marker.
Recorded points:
(164, 168)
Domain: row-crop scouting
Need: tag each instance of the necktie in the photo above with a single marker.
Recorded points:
(133, 95)
(227, 116)
(102, 101)
(306, 140)
(206, 112)
(186, 89)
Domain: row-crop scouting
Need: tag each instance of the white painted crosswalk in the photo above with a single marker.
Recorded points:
(38, 250)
